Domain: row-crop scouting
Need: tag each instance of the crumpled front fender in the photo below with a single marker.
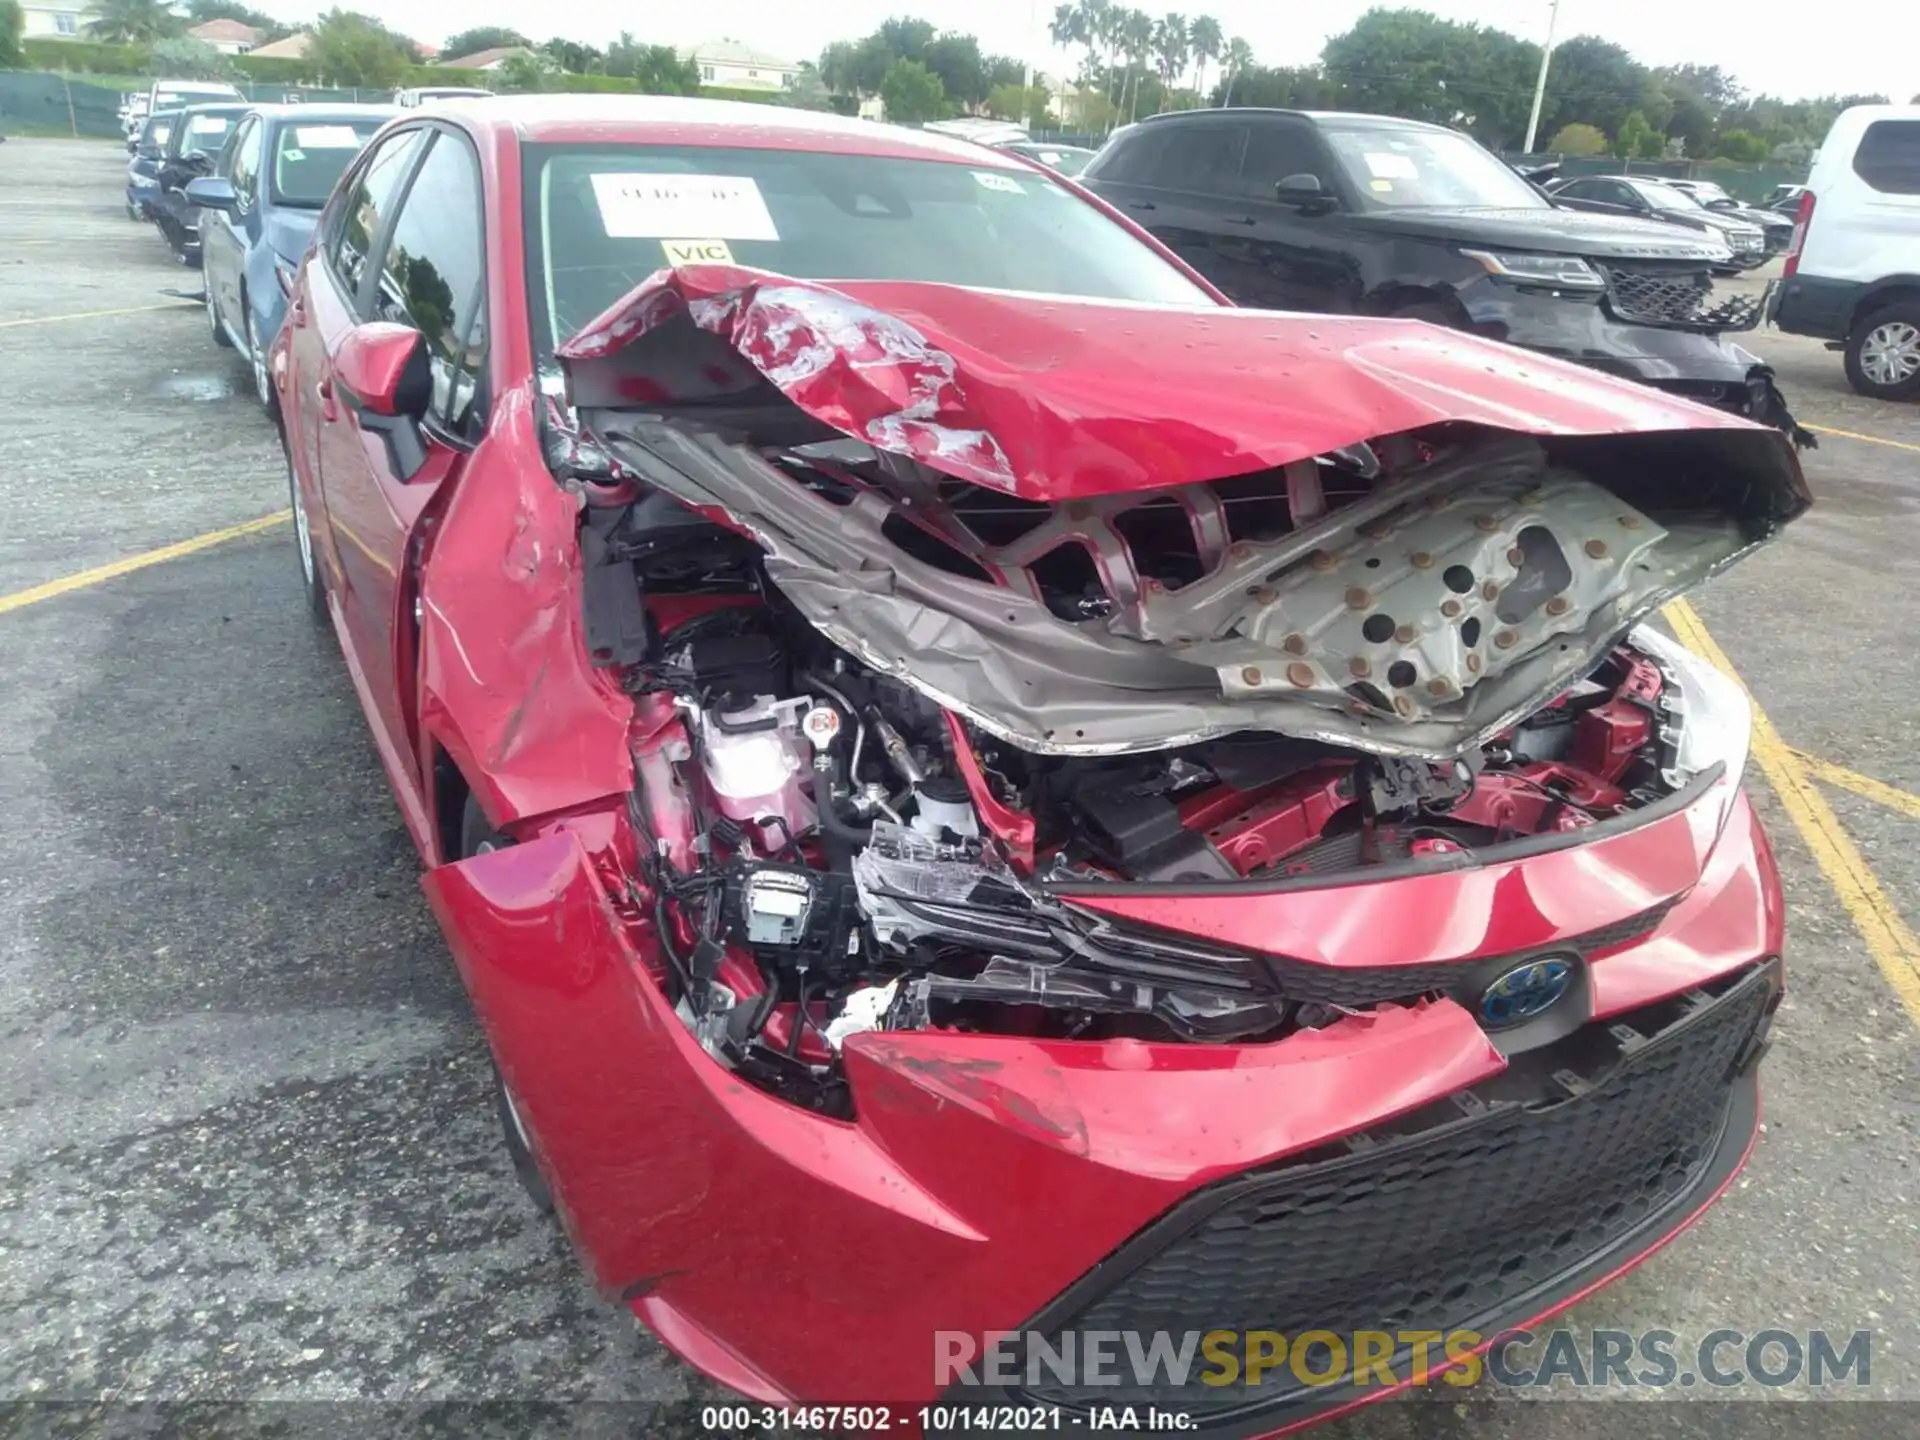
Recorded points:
(665, 1165)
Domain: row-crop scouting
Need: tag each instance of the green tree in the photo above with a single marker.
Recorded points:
(956, 59)
(574, 57)
(1238, 61)
(525, 74)
(1742, 145)
(1578, 139)
(1207, 42)
(1638, 140)
(656, 69)
(482, 37)
(1170, 52)
(1594, 82)
(1026, 107)
(912, 93)
(1410, 63)
(134, 22)
(12, 23)
(1287, 87)
(184, 58)
(351, 49)
(1135, 28)
(839, 67)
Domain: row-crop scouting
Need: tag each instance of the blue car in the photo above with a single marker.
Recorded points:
(258, 213)
(143, 171)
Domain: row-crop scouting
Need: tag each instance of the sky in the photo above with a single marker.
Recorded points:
(1827, 47)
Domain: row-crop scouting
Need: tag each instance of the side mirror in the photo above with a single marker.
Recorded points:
(210, 192)
(1303, 190)
(383, 374)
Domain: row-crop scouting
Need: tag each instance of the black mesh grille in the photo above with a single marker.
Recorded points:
(1305, 981)
(1452, 1219)
(1684, 300)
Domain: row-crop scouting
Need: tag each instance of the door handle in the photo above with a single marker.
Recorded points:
(329, 409)
(1141, 205)
(1238, 220)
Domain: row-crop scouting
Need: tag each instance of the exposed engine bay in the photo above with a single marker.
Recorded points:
(925, 646)
(829, 850)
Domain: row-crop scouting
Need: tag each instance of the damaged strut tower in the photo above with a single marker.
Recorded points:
(926, 635)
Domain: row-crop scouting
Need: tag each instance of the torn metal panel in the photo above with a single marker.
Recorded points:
(1402, 597)
(1057, 398)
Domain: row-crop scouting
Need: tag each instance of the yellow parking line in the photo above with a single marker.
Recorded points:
(97, 314)
(1870, 439)
(1865, 786)
(20, 599)
(1888, 938)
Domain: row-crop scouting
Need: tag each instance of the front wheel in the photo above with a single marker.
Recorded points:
(219, 331)
(312, 582)
(257, 355)
(1883, 353)
(478, 837)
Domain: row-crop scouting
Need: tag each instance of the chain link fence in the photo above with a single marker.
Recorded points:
(40, 103)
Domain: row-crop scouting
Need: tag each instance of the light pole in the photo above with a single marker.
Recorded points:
(1540, 85)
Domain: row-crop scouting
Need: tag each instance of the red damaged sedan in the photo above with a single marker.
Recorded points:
(987, 800)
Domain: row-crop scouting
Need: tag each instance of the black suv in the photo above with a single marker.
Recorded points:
(1364, 214)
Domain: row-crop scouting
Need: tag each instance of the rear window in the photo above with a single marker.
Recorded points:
(309, 159)
(601, 219)
(1889, 157)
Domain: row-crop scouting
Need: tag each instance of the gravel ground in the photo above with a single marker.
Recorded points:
(249, 1153)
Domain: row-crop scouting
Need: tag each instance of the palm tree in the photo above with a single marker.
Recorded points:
(1136, 41)
(1239, 57)
(134, 22)
(1205, 36)
(1169, 51)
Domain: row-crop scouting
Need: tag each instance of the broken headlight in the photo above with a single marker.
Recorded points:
(1569, 272)
(1706, 718)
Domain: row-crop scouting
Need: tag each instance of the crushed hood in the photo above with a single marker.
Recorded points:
(1371, 532)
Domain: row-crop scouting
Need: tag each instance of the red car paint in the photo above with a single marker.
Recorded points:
(797, 1257)
(1053, 399)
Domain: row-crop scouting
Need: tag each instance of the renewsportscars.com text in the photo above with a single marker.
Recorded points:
(1518, 1359)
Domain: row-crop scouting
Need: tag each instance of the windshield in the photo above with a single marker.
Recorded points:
(1708, 194)
(1665, 197)
(309, 159)
(1429, 168)
(601, 219)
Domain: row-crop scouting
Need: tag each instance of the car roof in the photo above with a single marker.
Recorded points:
(327, 110)
(684, 120)
(229, 107)
(1344, 117)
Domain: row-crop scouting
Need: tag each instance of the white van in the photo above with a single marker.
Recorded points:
(1853, 273)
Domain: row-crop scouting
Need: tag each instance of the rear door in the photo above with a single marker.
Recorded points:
(426, 271)
(324, 306)
(225, 238)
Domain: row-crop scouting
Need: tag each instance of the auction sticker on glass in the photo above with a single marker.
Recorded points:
(326, 137)
(682, 206)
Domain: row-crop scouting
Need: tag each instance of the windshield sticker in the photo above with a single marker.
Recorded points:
(697, 252)
(992, 180)
(1385, 165)
(669, 207)
(1380, 187)
(325, 137)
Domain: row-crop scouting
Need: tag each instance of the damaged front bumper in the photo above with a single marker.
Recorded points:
(662, 1161)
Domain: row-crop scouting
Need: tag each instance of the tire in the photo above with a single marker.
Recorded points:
(476, 838)
(219, 331)
(257, 358)
(313, 582)
(1883, 353)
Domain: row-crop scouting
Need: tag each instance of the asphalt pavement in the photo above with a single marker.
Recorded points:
(249, 1152)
